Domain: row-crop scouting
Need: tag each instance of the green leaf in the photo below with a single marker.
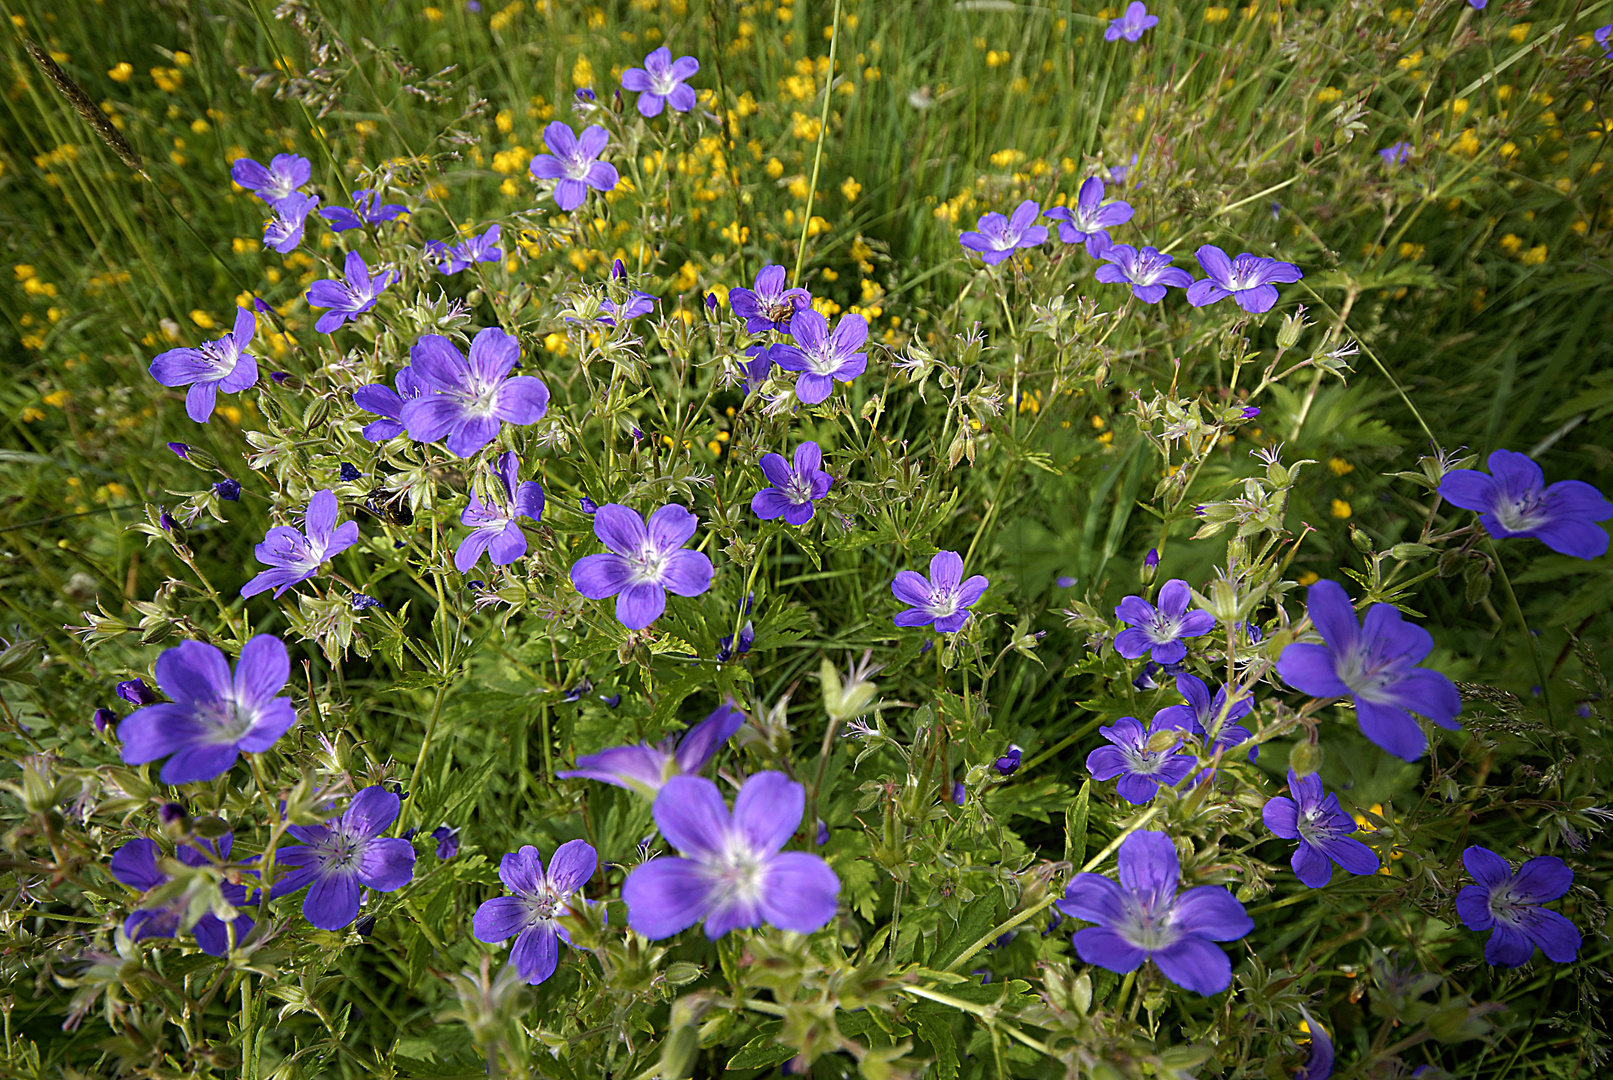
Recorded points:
(1075, 826)
(934, 1028)
(762, 1052)
(976, 919)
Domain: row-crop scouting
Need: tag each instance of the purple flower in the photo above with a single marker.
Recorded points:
(1140, 769)
(1375, 662)
(640, 303)
(996, 237)
(361, 602)
(1147, 271)
(447, 841)
(1247, 279)
(1132, 24)
(823, 359)
(943, 598)
(182, 450)
(732, 874)
(1396, 153)
(768, 306)
(1008, 764)
(228, 490)
(726, 649)
(1511, 903)
(494, 528)
(1604, 38)
(1514, 501)
(210, 367)
(1090, 219)
(367, 210)
(1315, 819)
(387, 403)
(643, 563)
(573, 163)
(103, 718)
(283, 176)
(1201, 711)
(795, 486)
(531, 912)
(451, 259)
(136, 692)
(1143, 918)
(759, 365)
(1477, 5)
(135, 865)
(958, 792)
(467, 401)
(283, 231)
(296, 556)
(1159, 631)
(336, 858)
(349, 299)
(1319, 1066)
(212, 717)
(661, 82)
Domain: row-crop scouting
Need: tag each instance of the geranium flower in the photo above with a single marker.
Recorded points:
(1319, 1066)
(531, 912)
(822, 359)
(1143, 918)
(1132, 24)
(451, 259)
(1148, 271)
(643, 563)
(367, 210)
(661, 82)
(283, 232)
(1159, 631)
(996, 237)
(1202, 710)
(279, 180)
(348, 852)
(733, 873)
(769, 305)
(1515, 501)
(943, 598)
(223, 364)
(1315, 818)
(387, 403)
(1511, 903)
(135, 865)
(349, 299)
(296, 556)
(1396, 153)
(796, 486)
(467, 401)
(1247, 279)
(646, 769)
(1089, 221)
(572, 163)
(1140, 769)
(211, 717)
(1375, 662)
(640, 303)
(494, 525)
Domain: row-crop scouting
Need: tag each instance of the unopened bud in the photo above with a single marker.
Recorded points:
(1362, 542)
(1305, 758)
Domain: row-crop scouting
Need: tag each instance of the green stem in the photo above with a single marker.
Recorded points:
(425, 744)
(1534, 646)
(817, 155)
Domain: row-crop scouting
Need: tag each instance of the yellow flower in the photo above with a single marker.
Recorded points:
(432, 14)
(996, 59)
(556, 343)
(1510, 243)
(1535, 255)
(851, 189)
(58, 399)
(1518, 32)
(1341, 509)
(167, 79)
(582, 72)
(202, 319)
(1309, 577)
(122, 72)
(803, 126)
(1340, 466)
(1216, 14)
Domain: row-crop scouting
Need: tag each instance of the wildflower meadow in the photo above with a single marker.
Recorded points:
(909, 539)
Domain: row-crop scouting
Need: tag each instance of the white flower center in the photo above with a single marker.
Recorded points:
(798, 490)
(228, 720)
(1146, 928)
(736, 873)
(943, 602)
(222, 354)
(1163, 628)
(1521, 515)
(648, 565)
(1505, 906)
(664, 83)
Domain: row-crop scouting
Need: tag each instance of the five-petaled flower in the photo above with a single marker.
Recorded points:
(1515, 501)
(466, 401)
(295, 556)
(1512, 904)
(997, 237)
(1159, 631)
(210, 367)
(275, 182)
(387, 403)
(452, 258)
(1374, 661)
(494, 528)
(822, 358)
(613, 314)
(283, 231)
(1148, 271)
(944, 598)
(769, 305)
(1248, 279)
(367, 210)
(733, 872)
(1202, 712)
(646, 769)
(1131, 24)
(644, 563)
(135, 865)
(662, 81)
(796, 485)
(573, 163)
(212, 717)
(1090, 219)
(335, 859)
(1144, 918)
(350, 298)
(531, 912)
(1322, 827)
(1141, 769)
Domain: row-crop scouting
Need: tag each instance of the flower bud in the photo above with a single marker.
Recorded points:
(103, 719)
(1293, 325)
(1305, 758)
(1163, 739)
(228, 490)
(1362, 542)
(1408, 552)
(617, 270)
(136, 692)
(1150, 566)
(181, 449)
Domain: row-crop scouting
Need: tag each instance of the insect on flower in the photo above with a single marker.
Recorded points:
(768, 305)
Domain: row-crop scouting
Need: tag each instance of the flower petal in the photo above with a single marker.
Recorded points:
(768, 810)
(664, 896)
(571, 865)
(799, 892)
(1195, 964)
(498, 919)
(332, 900)
(536, 953)
(371, 812)
(691, 814)
(261, 670)
(386, 864)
